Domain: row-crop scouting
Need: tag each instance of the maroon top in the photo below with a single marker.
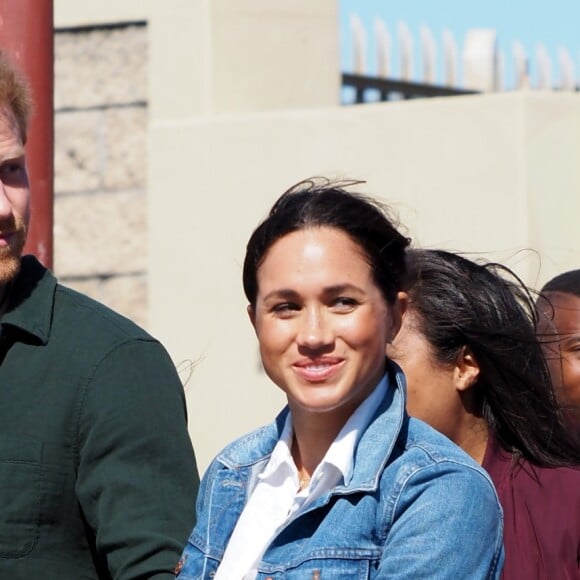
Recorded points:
(541, 517)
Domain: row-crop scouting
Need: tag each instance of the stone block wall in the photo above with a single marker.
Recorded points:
(100, 232)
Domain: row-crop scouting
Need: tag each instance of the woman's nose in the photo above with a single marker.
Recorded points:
(315, 330)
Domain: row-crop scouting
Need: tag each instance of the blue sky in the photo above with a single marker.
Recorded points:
(552, 23)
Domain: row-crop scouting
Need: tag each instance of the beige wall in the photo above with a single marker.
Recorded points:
(120, 66)
(72, 13)
(228, 56)
(476, 174)
(552, 165)
(241, 101)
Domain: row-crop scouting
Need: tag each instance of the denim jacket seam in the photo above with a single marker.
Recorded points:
(391, 502)
(359, 554)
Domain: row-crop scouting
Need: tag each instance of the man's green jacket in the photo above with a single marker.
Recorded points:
(97, 473)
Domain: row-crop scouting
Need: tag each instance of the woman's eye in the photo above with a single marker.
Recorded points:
(345, 302)
(285, 308)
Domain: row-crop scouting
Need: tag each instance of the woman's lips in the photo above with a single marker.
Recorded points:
(319, 370)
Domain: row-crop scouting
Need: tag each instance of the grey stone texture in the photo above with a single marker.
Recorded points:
(125, 151)
(98, 150)
(100, 67)
(100, 234)
(78, 151)
(100, 230)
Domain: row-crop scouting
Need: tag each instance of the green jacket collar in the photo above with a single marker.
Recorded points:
(31, 300)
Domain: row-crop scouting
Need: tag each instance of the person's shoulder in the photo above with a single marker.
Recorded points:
(424, 441)
(85, 315)
(253, 447)
(552, 493)
(425, 463)
(561, 481)
(425, 455)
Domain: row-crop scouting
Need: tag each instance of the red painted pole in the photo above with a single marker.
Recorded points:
(27, 36)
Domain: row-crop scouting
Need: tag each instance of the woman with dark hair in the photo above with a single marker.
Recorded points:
(342, 484)
(475, 372)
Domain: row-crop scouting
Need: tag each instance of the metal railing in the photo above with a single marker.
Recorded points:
(394, 89)
(482, 64)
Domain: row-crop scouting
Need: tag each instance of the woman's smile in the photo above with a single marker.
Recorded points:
(321, 320)
(319, 370)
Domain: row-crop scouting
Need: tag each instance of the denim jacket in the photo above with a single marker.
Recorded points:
(415, 507)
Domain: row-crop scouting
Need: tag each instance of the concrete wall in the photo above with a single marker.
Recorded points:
(123, 66)
(100, 233)
(73, 14)
(164, 169)
(494, 175)
(242, 55)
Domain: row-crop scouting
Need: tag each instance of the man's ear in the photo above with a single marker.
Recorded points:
(466, 371)
(397, 311)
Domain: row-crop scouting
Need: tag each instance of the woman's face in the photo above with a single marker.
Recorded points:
(431, 386)
(321, 321)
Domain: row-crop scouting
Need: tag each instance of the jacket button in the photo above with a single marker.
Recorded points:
(179, 566)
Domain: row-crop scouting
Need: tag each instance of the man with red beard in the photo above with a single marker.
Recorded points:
(97, 474)
(559, 332)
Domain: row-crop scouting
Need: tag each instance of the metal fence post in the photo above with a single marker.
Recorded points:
(27, 36)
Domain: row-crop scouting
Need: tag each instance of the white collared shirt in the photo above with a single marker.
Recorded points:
(277, 498)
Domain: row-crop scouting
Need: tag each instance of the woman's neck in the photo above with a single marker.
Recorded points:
(473, 436)
(313, 436)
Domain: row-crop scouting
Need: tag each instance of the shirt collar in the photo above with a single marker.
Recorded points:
(281, 457)
(341, 452)
(31, 300)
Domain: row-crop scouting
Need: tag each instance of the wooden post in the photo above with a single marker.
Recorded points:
(359, 45)
(522, 67)
(544, 68)
(480, 60)
(405, 51)
(429, 54)
(450, 58)
(567, 72)
(383, 44)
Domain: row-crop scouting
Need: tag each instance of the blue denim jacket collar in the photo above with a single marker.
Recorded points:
(370, 454)
(408, 479)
